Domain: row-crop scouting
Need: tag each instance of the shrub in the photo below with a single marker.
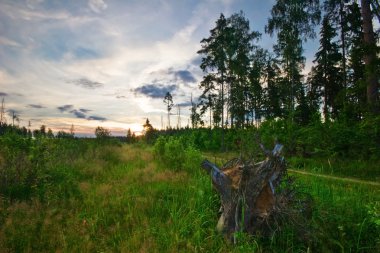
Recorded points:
(193, 159)
(159, 146)
(45, 168)
(17, 170)
(174, 153)
(177, 153)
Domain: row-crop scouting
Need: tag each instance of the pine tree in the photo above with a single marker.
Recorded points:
(239, 67)
(148, 131)
(43, 130)
(214, 60)
(207, 103)
(356, 88)
(50, 134)
(255, 92)
(370, 58)
(293, 21)
(327, 77)
(272, 103)
(226, 62)
(168, 100)
(338, 14)
(130, 138)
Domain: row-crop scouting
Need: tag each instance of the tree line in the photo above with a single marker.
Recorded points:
(244, 83)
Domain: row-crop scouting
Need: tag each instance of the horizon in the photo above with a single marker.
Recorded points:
(109, 63)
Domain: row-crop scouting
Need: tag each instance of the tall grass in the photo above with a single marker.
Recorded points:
(112, 198)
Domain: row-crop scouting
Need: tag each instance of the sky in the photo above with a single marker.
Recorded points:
(109, 63)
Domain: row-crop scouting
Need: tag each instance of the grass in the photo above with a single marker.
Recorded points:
(360, 169)
(341, 214)
(121, 199)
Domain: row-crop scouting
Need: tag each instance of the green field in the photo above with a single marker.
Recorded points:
(121, 198)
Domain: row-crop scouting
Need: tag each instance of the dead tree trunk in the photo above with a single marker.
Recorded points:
(250, 192)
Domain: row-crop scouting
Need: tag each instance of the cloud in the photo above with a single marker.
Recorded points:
(18, 11)
(97, 118)
(185, 76)
(65, 108)
(85, 110)
(8, 42)
(155, 90)
(172, 76)
(3, 94)
(33, 3)
(78, 114)
(97, 6)
(196, 61)
(85, 53)
(36, 106)
(102, 45)
(86, 83)
(185, 104)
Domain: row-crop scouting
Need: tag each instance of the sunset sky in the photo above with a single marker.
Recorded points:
(108, 62)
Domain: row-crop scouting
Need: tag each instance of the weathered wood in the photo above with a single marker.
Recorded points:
(249, 191)
(221, 182)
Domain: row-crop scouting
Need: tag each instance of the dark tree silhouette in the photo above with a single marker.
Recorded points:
(168, 100)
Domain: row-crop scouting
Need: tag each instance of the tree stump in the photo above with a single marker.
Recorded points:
(253, 195)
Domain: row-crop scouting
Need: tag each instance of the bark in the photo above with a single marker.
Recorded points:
(343, 39)
(258, 198)
(370, 56)
(247, 191)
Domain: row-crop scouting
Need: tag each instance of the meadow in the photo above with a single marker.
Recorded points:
(103, 196)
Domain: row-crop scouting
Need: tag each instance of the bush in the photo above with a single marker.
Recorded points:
(174, 153)
(193, 159)
(177, 153)
(17, 167)
(45, 168)
(159, 146)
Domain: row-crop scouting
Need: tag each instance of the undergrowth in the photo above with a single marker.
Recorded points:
(87, 196)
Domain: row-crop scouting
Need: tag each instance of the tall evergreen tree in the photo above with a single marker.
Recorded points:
(294, 22)
(168, 100)
(226, 63)
(50, 134)
(370, 57)
(214, 59)
(209, 99)
(207, 103)
(272, 90)
(240, 50)
(149, 131)
(356, 87)
(255, 92)
(327, 80)
(195, 117)
(43, 130)
(337, 11)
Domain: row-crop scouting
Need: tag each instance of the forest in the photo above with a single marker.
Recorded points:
(244, 84)
(147, 193)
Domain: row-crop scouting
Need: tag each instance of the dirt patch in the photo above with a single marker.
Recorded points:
(104, 189)
(130, 153)
(84, 186)
(169, 176)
